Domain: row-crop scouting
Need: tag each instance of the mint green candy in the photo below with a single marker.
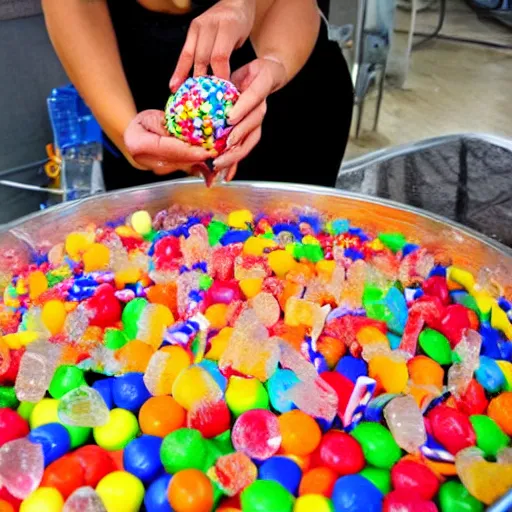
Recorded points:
(184, 448)
(131, 315)
(8, 398)
(216, 230)
(454, 497)
(66, 378)
(393, 241)
(114, 339)
(266, 496)
(489, 436)
(436, 346)
(381, 478)
(379, 447)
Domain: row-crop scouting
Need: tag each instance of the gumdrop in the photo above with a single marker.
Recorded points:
(83, 407)
(84, 499)
(233, 473)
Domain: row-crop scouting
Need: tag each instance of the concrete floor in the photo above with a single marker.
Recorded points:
(451, 87)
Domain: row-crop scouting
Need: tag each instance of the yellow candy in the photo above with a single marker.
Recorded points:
(506, 368)
(121, 491)
(20, 339)
(240, 219)
(325, 267)
(10, 297)
(311, 502)
(391, 375)
(462, 277)
(21, 287)
(121, 428)
(500, 321)
(159, 317)
(310, 240)
(219, 344)
(369, 335)
(245, 394)
(97, 257)
(217, 315)
(251, 286)
(44, 412)
(281, 262)
(127, 232)
(76, 244)
(141, 222)
(54, 316)
(255, 246)
(180, 359)
(484, 301)
(193, 385)
(300, 312)
(44, 499)
(37, 284)
(128, 276)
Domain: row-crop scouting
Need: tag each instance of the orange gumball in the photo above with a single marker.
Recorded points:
(300, 433)
(500, 410)
(161, 415)
(318, 481)
(190, 490)
(165, 294)
(5, 506)
(303, 461)
(424, 371)
(135, 356)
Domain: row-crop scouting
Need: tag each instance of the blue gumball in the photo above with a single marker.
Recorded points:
(104, 388)
(489, 375)
(129, 391)
(54, 439)
(352, 367)
(213, 369)
(354, 493)
(280, 382)
(282, 470)
(155, 499)
(141, 457)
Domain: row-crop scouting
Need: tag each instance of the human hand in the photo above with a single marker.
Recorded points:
(152, 148)
(211, 39)
(256, 81)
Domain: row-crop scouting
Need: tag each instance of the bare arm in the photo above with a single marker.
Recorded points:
(83, 37)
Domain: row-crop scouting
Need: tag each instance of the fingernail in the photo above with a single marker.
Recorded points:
(217, 164)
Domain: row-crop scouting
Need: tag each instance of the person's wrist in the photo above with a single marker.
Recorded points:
(277, 70)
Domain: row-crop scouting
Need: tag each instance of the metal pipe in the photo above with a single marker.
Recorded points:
(34, 188)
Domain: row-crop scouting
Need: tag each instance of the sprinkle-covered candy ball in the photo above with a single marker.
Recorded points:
(197, 113)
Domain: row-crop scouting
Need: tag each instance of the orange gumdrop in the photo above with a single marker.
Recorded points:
(318, 481)
(294, 335)
(164, 294)
(424, 371)
(300, 433)
(500, 410)
(332, 349)
(135, 356)
(161, 415)
(190, 490)
(291, 289)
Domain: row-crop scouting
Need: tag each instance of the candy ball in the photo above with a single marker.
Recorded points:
(500, 410)
(121, 428)
(405, 500)
(197, 113)
(156, 499)
(64, 474)
(319, 480)
(381, 478)
(454, 497)
(190, 490)
(141, 222)
(341, 452)
(489, 436)
(415, 477)
(44, 499)
(96, 463)
(282, 470)
(65, 379)
(210, 418)
(129, 391)
(141, 457)
(104, 388)
(12, 426)
(121, 492)
(300, 433)
(312, 502)
(161, 415)
(54, 439)
(266, 495)
(379, 447)
(183, 449)
(245, 394)
(354, 493)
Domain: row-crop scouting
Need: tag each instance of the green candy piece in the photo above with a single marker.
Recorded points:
(268, 235)
(454, 497)
(184, 448)
(372, 302)
(393, 241)
(25, 409)
(381, 478)
(150, 236)
(489, 436)
(312, 252)
(379, 447)
(8, 397)
(223, 442)
(66, 378)
(131, 315)
(436, 346)
(78, 435)
(213, 452)
(205, 282)
(266, 496)
(216, 230)
(218, 493)
(114, 339)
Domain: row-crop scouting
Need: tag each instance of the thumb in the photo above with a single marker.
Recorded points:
(243, 77)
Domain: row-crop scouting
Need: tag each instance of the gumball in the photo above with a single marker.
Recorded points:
(424, 371)
(193, 386)
(53, 316)
(489, 436)
(121, 492)
(183, 449)
(282, 470)
(415, 477)
(210, 418)
(65, 379)
(213, 369)
(12, 426)
(454, 323)
(25, 409)
(155, 499)
(96, 463)
(312, 502)
(454, 497)
(65, 474)
(341, 453)
(43, 499)
(500, 410)
(342, 386)
(319, 480)
(379, 447)
(352, 367)
(54, 439)
(190, 490)
(8, 397)
(45, 411)
(300, 433)
(129, 391)
(5, 506)
(141, 457)
(161, 415)
(245, 394)
(354, 493)
(105, 307)
(104, 388)
(398, 501)
(121, 428)
(473, 400)
(391, 375)
(266, 495)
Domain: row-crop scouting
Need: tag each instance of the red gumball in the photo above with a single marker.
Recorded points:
(224, 292)
(340, 452)
(9, 376)
(454, 323)
(409, 475)
(167, 250)
(451, 428)
(105, 307)
(436, 286)
(12, 426)
(65, 474)
(473, 401)
(211, 419)
(96, 463)
(342, 386)
(407, 501)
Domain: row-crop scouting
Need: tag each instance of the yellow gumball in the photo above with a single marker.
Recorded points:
(390, 374)
(216, 314)
(97, 257)
(240, 219)
(121, 428)
(121, 492)
(54, 316)
(76, 244)
(256, 246)
(44, 499)
(44, 412)
(141, 222)
(37, 284)
(310, 502)
(281, 262)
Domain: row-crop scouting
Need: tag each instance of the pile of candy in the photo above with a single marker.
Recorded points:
(198, 112)
(282, 362)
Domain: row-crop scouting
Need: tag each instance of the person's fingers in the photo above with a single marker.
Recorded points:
(225, 43)
(238, 153)
(231, 172)
(154, 121)
(186, 58)
(243, 76)
(247, 125)
(204, 46)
